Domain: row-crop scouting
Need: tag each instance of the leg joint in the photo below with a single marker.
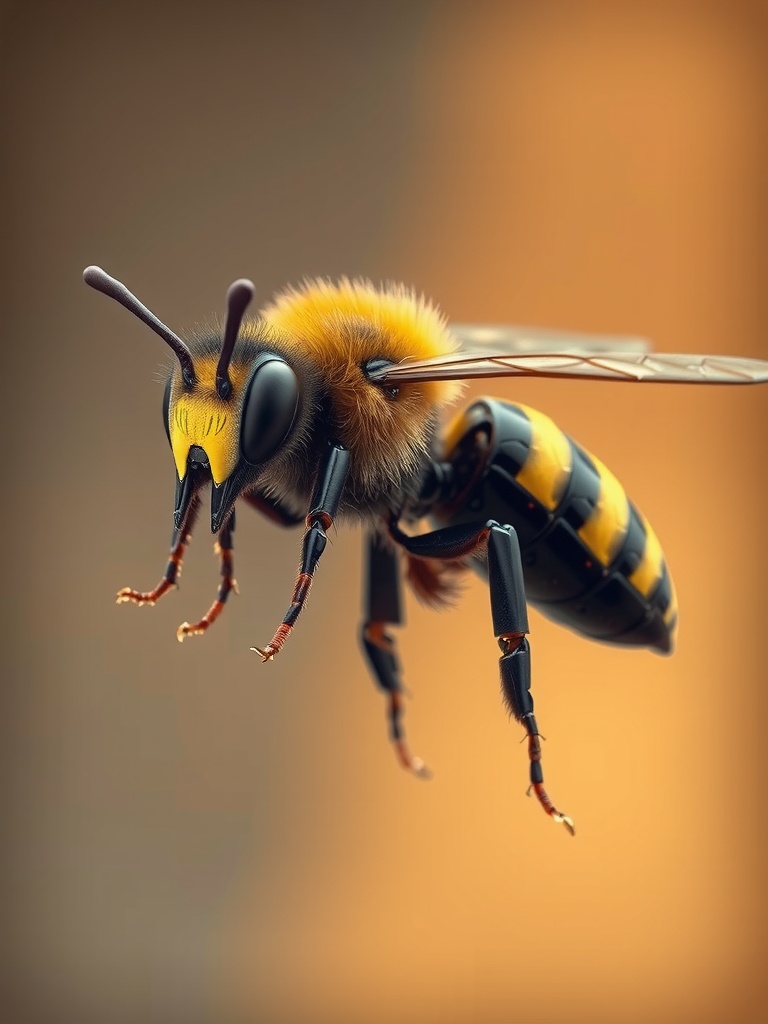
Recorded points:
(516, 680)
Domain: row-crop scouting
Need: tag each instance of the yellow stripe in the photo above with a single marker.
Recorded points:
(545, 472)
(604, 530)
(648, 572)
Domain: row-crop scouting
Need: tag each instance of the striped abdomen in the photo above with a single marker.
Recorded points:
(591, 560)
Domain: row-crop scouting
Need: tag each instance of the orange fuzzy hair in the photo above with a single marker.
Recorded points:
(339, 327)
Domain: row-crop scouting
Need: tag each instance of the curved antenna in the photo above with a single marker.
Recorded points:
(239, 297)
(102, 282)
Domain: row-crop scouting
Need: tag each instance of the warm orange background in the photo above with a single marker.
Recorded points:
(195, 837)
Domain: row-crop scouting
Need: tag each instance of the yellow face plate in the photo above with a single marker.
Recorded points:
(199, 417)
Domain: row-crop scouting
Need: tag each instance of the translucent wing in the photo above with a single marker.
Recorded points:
(504, 339)
(585, 357)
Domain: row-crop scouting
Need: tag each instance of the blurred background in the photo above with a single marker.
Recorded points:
(193, 836)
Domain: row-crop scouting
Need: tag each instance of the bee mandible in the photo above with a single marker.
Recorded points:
(328, 407)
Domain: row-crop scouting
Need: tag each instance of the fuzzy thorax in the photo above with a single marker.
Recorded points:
(341, 327)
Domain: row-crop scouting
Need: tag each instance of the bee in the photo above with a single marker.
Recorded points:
(328, 406)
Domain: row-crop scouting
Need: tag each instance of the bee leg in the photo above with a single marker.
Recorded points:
(382, 607)
(179, 541)
(323, 508)
(223, 548)
(510, 621)
(510, 626)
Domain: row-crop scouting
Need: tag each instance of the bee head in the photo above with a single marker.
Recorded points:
(224, 418)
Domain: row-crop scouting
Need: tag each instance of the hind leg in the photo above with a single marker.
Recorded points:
(510, 622)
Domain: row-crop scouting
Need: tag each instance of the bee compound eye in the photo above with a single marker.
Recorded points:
(269, 409)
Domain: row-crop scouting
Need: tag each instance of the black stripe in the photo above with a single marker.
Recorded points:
(514, 444)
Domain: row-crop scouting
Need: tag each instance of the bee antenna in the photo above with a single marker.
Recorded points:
(238, 299)
(102, 282)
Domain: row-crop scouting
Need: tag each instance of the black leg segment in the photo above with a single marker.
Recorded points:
(383, 606)
(505, 577)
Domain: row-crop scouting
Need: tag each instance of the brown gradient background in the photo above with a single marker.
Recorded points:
(193, 837)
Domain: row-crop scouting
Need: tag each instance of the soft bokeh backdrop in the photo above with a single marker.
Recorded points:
(192, 836)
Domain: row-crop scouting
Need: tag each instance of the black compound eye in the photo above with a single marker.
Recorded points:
(166, 410)
(269, 409)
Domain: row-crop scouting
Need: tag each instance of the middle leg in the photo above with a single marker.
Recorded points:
(383, 608)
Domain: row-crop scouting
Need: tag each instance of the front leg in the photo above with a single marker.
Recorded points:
(179, 542)
(382, 608)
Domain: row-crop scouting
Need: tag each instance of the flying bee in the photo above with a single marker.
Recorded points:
(328, 406)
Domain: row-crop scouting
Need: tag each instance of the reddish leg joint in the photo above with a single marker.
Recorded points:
(509, 642)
